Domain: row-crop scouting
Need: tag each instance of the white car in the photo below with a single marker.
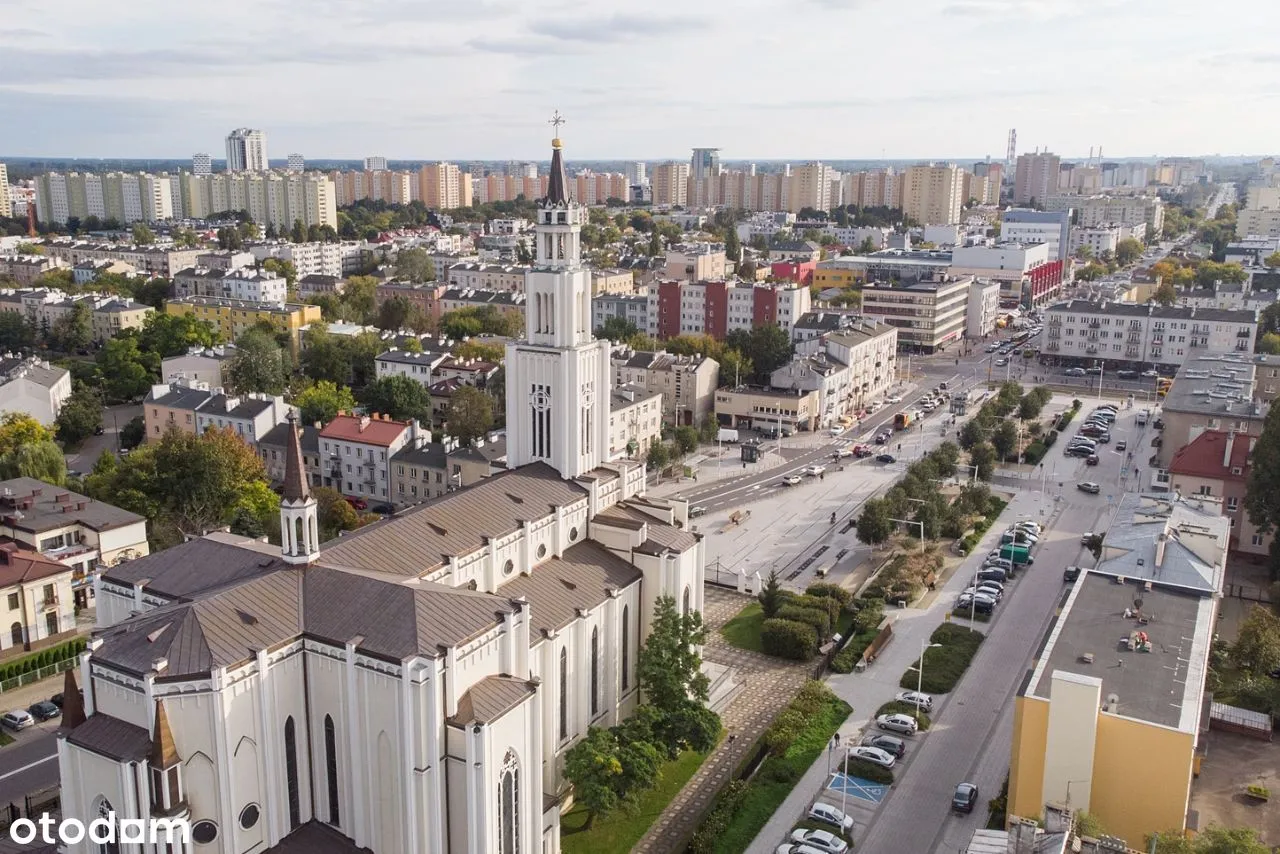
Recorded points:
(823, 840)
(915, 698)
(874, 755)
(788, 848)
(1086, 537)
(1034, 527)
(837, 431)
(814, 471)
(828, 814)
(792, 480)
(899, 723)
(893, 398)
(17, 719)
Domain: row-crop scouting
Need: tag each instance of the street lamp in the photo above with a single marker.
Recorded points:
(909, 522)
(919, 669)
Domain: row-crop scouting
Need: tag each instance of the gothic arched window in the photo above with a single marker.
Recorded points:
(291, 773)
(107, 812)
(626, 647)
(686, 601)
(564, 693)
(509, 805)
(595, 672)
(331, 767)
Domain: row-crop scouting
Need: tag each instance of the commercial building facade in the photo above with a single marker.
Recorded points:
(1030, 226)
(929, 316)
(933, 194)
(716, 308)
(1128, 333)
(687, 383)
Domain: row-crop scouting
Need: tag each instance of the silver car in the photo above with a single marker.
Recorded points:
(823, 840)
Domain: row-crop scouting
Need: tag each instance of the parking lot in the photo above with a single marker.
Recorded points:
(1230, 763)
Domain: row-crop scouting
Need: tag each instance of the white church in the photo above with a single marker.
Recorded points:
(412, 686)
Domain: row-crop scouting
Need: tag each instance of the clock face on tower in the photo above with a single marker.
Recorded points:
(542, 400)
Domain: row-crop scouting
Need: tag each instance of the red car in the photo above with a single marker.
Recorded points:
(358, 503)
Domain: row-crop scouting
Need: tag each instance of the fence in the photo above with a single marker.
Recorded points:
(1249, 593)
(36, 675)
(46, 801)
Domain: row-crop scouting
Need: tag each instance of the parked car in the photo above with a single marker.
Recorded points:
(998, 563)
(1150, 375)
(993, 573)
(1071, 573)
(1089, 487)
(1091, 460)
(888, 743)
(893, 398)
(358, 503)
(821, 840)
(1074, 372)
(904, 724)
(1000, 363)
(965, 798)
(789, 848)
(886, 458)
(1033, 527)
(17, 720)
(695, 512)
(1120, 446)
(915, 698)
(828, 814)
(978, 604)
(1104, 439)
(44, 711)
(874, 755)
(996, 585)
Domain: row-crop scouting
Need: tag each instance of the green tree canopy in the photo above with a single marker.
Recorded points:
(669, 667)
(1128, 251)
(169, 335)
(399, 397)
(73, 330)
(143, 236)
(616, 329)
(470, 414)
(1005, 439)
(257, 366)
(323, 400)
(874, 526)
(80, 416)
(127, 371)
(415, 265)
(983, 458)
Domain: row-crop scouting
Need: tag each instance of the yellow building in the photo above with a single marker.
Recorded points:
(1108, 719)
(830, 274)
(232, 317)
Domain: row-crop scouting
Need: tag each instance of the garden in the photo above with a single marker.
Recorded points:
(946, 663)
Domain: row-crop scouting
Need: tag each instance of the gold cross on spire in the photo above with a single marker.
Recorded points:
(555, 121)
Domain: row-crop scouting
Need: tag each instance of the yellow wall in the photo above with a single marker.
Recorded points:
(232, 321)
(834, 278)
(1026, 760)
(1141, 778)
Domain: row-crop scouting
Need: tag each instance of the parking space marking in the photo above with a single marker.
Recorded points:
(856, 787)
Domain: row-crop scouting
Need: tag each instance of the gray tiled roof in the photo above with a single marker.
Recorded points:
(112, 738)
(490, 699)
(278, 436)
(1160, 312)
(454, 524)
(316, 838)
(46, 514)
(192, 568)
(245, 407)
(661, 537)
(580, 578)
(181, 397)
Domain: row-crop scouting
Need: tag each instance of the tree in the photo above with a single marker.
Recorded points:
(127, 371)
(257, 366)
(669, 667)
(1030, 407)
(1084, 252)
(593, 766)
(133, 432)
(771, 595)
(1272, 260)
(73, 330)
(1128, 251)
(1214, 839)
(874, 525)
(399, 397)
(168, 335)
(470, 414)
(185, 238)
(732, 246)
(30, 249)
(735, 368)
(284, 269)
(768, 347)
(415, 265)
(249, 230)
(983, 458)
(80, 416)
(972, 433)
(1262, 489)
(40, 460)
(866, 247)
(333, 512)
(393, 313)
(658, 456)
(1165, 293)
(298, 234)
(229, 238)
(686, 440)
(1005, 439)
(360, 297)
(142, 235)
(1257, 647)
(616, 329)
(322, 401)
(16, 332)
(1269, 343)
(475, 349)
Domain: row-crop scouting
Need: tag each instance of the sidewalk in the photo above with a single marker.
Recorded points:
(867, 691)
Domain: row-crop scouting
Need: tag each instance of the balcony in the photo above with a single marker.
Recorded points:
(1133, 351)
(1095, 324)
(1091, 349)
(1242, 347)
(1052, 346)
(1157, 339)
(1243, 333)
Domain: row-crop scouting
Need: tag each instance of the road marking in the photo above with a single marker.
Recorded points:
(27, 767)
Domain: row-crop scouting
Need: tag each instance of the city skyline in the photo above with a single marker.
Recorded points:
(1114, 75)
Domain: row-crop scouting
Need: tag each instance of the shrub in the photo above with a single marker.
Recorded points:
(1034, 453)
(851, 653)
(869, 614)
(1075, 405)
(717, 821)
(868, 771)
(818, 620)
(944, 665)
(788, 639)
(1050, 438)
(830, 591)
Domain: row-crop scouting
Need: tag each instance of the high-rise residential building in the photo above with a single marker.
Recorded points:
(443, 186)
(296, 163)
(811, 187)
(275, 198)
(933, 194)
(1036, 178)
(247, 150)
(635, 172)
(670, 184)
(6, 198)
(201, 164)
(124, 196)
(705, 163)
(399, 188)
(375, 164)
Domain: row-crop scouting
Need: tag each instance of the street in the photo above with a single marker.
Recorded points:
(30, 763)
(114, 418)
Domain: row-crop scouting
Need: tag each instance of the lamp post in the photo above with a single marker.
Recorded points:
(919, 668)
(909, 522)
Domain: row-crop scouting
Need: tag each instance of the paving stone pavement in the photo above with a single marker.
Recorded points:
(767, 685)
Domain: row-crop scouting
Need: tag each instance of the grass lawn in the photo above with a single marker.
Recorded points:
(944, 666)
(5, 738)
(779, 775)
(622, 829)
(743, 631)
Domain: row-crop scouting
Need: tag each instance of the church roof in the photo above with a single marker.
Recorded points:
(661, 536)
(558, 183)
(316, 838)
(164, 753)
(579, 579)
(112, 738)
(458, 523)
(490, 699)
(192, 568)
(295, 473)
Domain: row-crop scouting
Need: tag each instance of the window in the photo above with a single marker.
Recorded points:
(595, 672)
(686, 601)
(509, 805)
(626, 648)
(204, 832)
(1205, 490)
(331, 767)
(291, 773)
(564, 693)
(1233, 503)
(249, 816)
(13, 601)
(1256, 539)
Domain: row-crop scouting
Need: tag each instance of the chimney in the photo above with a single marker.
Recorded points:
(1161, 541)
(364, 422)
(1226, 453)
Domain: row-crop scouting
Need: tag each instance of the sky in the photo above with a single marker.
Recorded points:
(760, 79)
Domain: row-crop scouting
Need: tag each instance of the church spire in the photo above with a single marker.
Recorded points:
(295, 477)
(299, 516)
(557, 184)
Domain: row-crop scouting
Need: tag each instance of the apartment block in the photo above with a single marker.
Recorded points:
(109, 314)
(933, 194)
(151, 260)
(635, 421)
(1212, 392)
(1035, 178)
(443, 186)
(375, 185)
(271, 198)
(506, 188)
(198, 365)
(33, 386)
(670, 184)
(247, 151)
(313, 259)
(233, 317)
(1027, 274)
(687, 383)
(1122, 210)
(1131, 335)
(1019, 225)
(848, 368)
(504, 302)
(715, 308)
(425, 296)
(929, 315)
(433, 469)
(191, 406)
(633, 308)
(488, 277)
(696, 262)
(356, 452)
(6, 197)
(127, 197)
(1216, 464)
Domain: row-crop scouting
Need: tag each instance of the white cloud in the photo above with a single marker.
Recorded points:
(762, 79)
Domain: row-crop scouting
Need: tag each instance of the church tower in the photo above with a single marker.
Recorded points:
(299, 516)
(558, 377)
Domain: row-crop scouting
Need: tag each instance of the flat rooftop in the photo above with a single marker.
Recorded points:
(1222, 385)
(1164, 686)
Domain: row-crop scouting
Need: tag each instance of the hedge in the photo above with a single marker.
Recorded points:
(1034, 452)
(947, 663)
(1050, 438)
(851, 653)
(831, 591)
(818, 620)
(788, 639)
(43, 658)
(869, 771)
